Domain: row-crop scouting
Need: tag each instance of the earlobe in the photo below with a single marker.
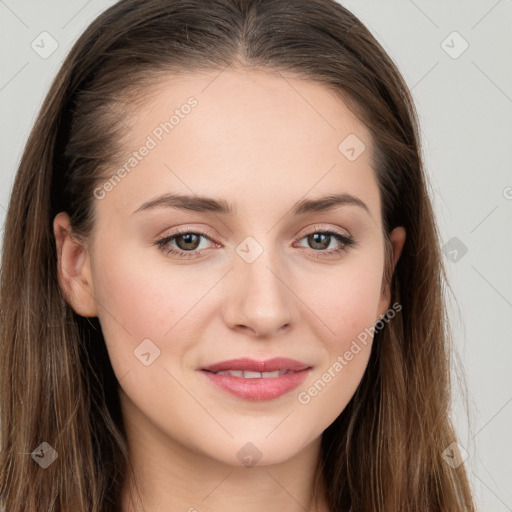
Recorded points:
(73, 268)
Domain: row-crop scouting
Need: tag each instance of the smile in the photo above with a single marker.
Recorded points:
(254, 380)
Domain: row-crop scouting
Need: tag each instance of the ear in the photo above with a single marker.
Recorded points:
(73, 268)
(395, 246)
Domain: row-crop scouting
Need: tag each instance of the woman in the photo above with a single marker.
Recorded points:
(221, 277)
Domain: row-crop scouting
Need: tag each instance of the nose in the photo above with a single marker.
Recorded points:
(259, 299)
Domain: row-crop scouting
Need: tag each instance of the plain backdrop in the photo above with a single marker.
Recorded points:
(457, 59)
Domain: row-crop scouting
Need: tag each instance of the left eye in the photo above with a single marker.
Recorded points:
(322, 239)
(188, 243)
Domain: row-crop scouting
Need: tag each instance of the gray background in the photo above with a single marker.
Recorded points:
(464, 99)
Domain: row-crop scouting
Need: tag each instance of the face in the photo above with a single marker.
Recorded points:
(261, 270)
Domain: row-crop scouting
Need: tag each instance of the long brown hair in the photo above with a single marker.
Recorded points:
(384, 451)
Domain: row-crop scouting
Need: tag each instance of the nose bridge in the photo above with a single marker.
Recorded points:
(260, 299)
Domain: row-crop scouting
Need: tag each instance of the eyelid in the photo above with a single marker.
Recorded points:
(183, 230)
(322, 227)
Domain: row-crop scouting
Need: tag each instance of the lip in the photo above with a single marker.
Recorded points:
(258, 389)
(252, 365)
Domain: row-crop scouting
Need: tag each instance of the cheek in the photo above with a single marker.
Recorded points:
(142, 296)
(348, 308)
(349, 348)
(324, 396)
(136, 302)
(345, 301)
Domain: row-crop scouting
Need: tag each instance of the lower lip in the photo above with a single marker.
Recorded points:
(259, 389)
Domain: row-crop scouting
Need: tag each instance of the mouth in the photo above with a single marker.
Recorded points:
(250, 379)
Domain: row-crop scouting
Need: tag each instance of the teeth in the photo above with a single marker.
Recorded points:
(276, 373)
(253, 375)
(234, 373)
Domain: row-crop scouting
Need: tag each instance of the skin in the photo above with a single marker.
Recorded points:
(261, 142)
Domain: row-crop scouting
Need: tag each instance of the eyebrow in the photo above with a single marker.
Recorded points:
(221, 206)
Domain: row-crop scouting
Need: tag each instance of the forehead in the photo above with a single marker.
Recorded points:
(244, 135)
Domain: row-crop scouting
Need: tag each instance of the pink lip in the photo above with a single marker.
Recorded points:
(251, 365)
(258, 389)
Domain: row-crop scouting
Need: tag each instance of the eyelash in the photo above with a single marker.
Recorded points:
(345, 240)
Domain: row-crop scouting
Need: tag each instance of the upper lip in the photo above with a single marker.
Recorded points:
(252, 365)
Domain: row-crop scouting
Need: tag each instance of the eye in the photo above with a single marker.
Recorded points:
(188, 243)
(320, 240)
